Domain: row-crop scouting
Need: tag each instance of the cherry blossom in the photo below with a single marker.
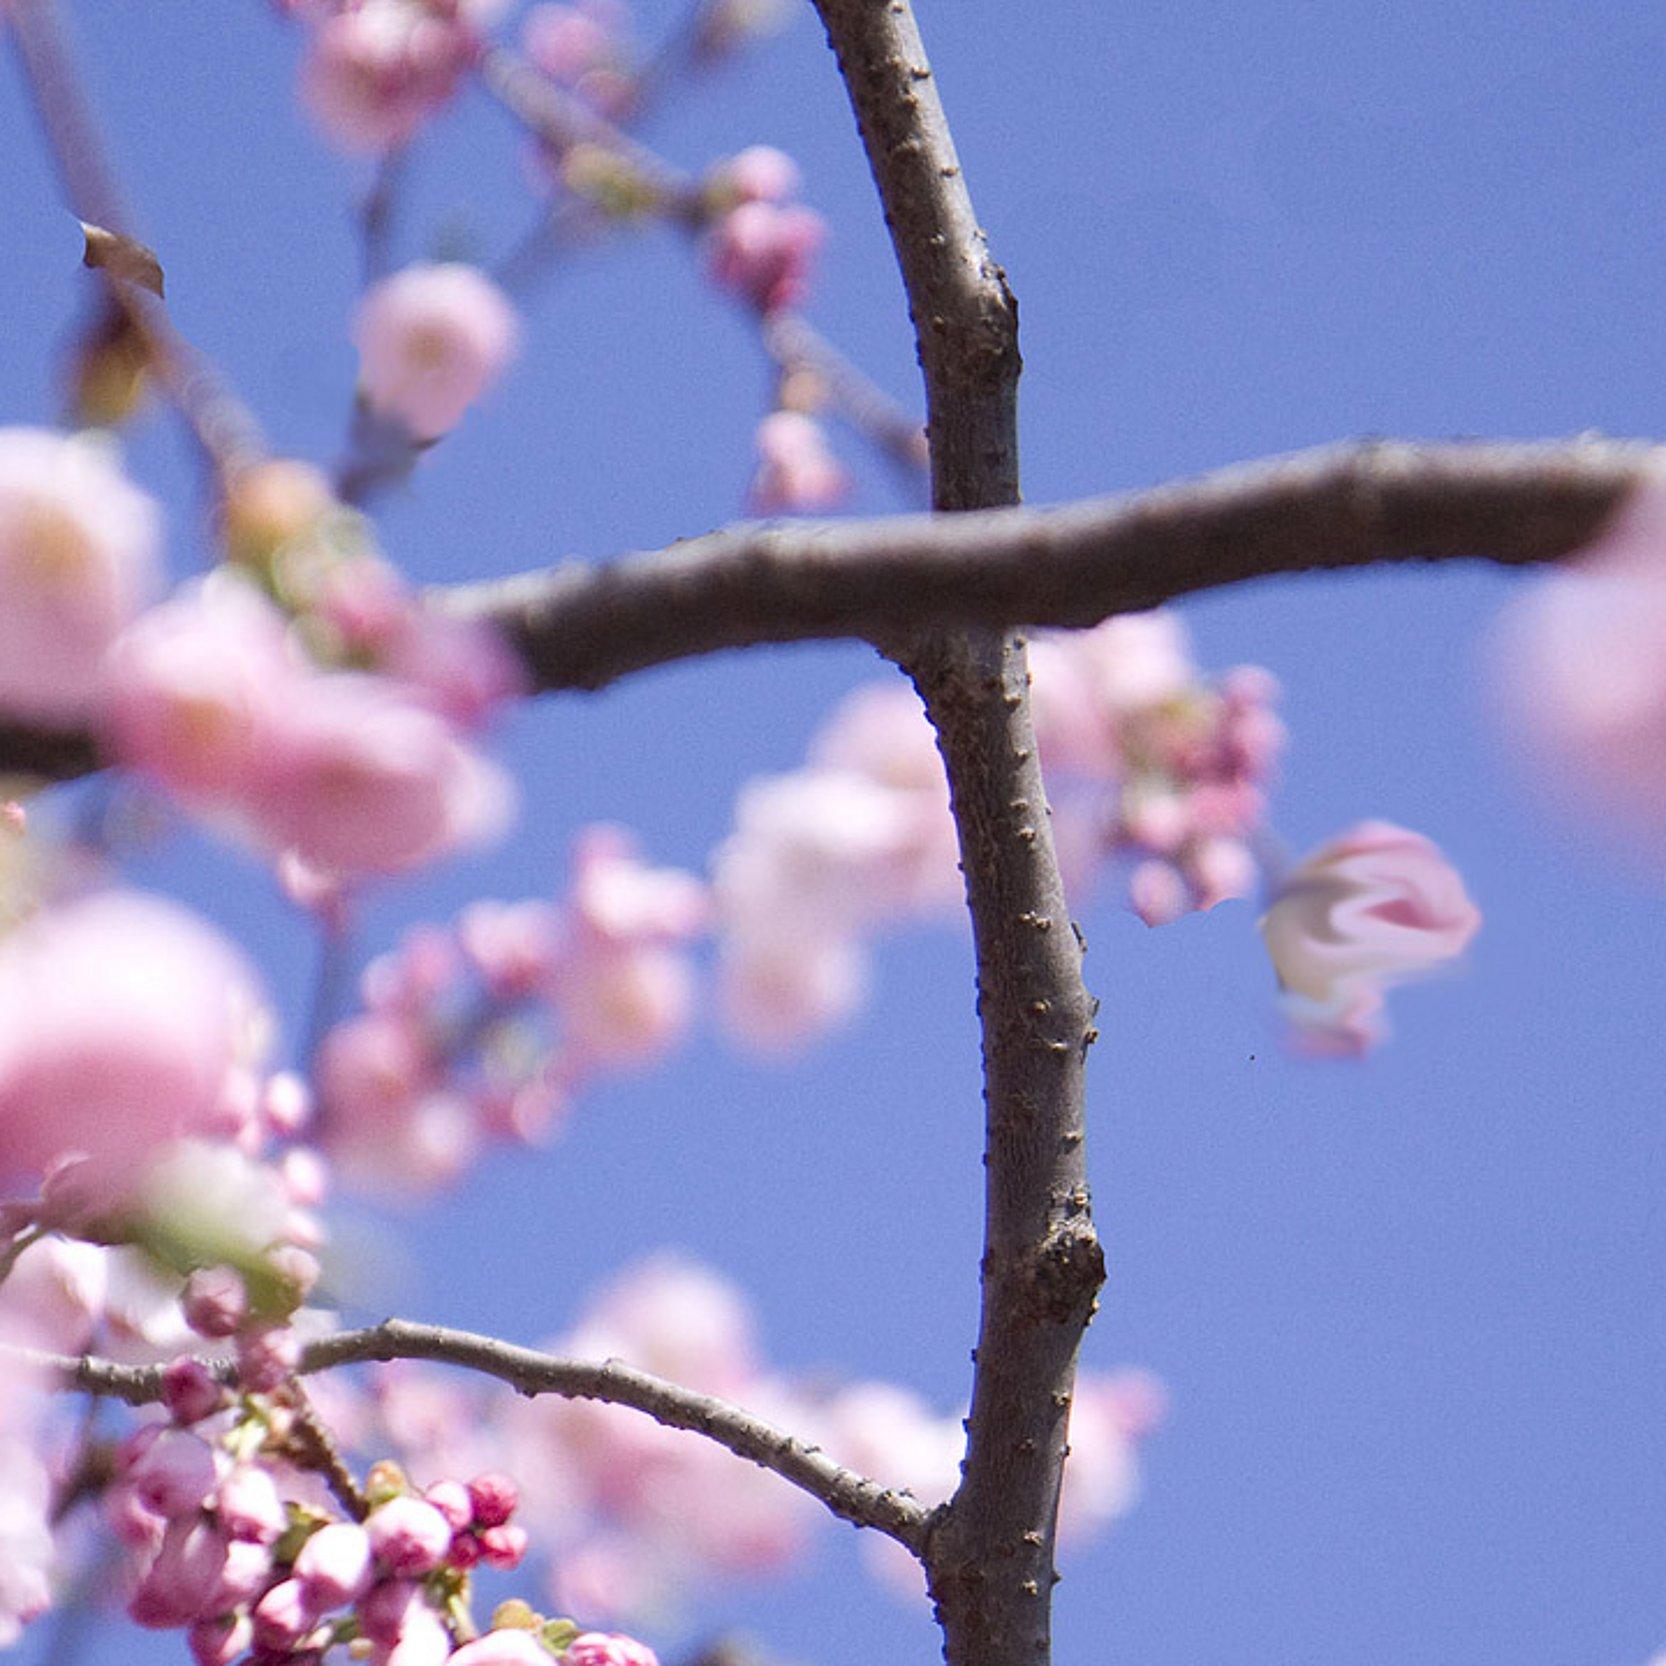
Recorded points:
(1373, 907)
(79, 555)
(432, 339)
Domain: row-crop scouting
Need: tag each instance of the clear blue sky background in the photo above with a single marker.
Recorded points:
(1410, 1312)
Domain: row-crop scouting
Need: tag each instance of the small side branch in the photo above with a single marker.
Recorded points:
(852, 1497)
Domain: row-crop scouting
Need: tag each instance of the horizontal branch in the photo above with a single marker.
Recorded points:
(584, 626)
(848, 1495)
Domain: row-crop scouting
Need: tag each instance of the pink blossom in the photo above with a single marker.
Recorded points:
(376, 72)
(617, 896)
(503, 1648)
(267, 1358)
(1374, 907)
(595, 1648)
(421, 1640)
(797, 473)
(334, 1565)
(26, 1547)
(582, 47)
(248, 1506)
(215, 1301)
(365, 782)
(760, 173)
(79, 552)
(220, 1640)
(53, 1294)
(431, 340)
(284, 1615)
(1158, 893)
(1579, 669)
(409, 1536)
(190, 1391)
(454, 1501)
(122, 1018)
(493, 1498)
(779, 991)
(181, 1582)
(762, 251)
(198, 687)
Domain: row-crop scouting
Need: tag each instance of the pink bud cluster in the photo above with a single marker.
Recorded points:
(485, 1028)
(1154, 764)
(376, 72)
(584, 48)
(761, 244)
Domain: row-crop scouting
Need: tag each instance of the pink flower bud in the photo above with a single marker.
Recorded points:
(762, 252)
(181, 1583)
(284, 1616)
(247, 1572)
(409, 1536)
(595, 1648)
(431, 340)
(267, 1358)
(248, 1505)
(219, 1641)
(454, 1501)
(503, 1547)
(494, 1498)
(215, 1301)
(190, 1391)
(175, 1475)
(797, 472)
(502, 1648)
(1157, 893)
(335, 1564)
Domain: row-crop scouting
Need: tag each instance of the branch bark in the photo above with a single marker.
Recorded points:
(989, 1558)
(852, 1497)
(583, 626)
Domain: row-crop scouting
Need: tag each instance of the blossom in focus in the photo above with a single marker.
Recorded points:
(762, 252)
(796, 473)
(79, 553)
(1580, 664)
(377, 71)
(432, 339)
(124, 1024)
(1374, 907)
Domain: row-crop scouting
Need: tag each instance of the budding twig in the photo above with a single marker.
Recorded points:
(848, 1495)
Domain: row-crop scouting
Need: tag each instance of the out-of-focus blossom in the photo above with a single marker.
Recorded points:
(796, 473)
(595, 1648)
(486, 1029)
(432, 339)
(583, 47)
(124, 1022)
(270, 507)
(351, 773)
(79, 554)
(762, 252)
(1579, 664)
(378, 71)
(26, 1548)
(1374, 907)
(761, 173)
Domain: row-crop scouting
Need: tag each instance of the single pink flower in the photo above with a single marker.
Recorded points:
(335, 1564)
(797, 473)
(1372, 908)
(122, 1021)
(431, 340)
(79, 554)
(378, 71)
(762, 251)
(408, 1536)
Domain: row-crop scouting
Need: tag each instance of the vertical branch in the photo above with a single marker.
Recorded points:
(990, 1556)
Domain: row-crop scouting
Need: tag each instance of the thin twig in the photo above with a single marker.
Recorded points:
(221, 426)
(848, 1495)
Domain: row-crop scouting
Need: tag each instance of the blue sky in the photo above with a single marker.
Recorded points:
(1410, 1312)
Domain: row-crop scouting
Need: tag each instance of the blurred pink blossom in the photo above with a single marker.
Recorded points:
(79, 554)
(1370, 909)
(796, 473)
(123, 1022)
(762, 251)
(432, 339)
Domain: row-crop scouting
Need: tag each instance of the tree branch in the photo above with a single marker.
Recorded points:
(582, 626)
(989, 1558)
(848, 1495)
